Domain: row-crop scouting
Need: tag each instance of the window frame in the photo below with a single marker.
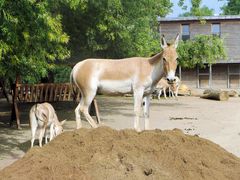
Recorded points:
(216, 34)
(187, 35)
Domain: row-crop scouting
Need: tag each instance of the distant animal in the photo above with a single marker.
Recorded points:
(172, 88)
(137, 75)
(43, 116)
(177, 83)
(163, 86)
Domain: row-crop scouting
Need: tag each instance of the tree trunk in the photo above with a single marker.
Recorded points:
(233, 93)
(215, 94)
(4, 91)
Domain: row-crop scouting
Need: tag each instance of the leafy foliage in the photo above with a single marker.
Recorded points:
(114, 28)
(203, 49)
(196, 9)
(33, 34)
(31, 39)
(232, 7)
(201, 11)
(61, 74)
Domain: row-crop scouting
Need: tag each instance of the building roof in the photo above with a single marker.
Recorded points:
(196, 18)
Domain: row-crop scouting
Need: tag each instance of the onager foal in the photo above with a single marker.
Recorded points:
(137, 75)
(42, 116)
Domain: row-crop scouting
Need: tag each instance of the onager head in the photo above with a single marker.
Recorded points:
(58, 128)
(169, 58)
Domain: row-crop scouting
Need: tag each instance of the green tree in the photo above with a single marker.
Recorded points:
(31, 38)
(196, 9)
(114, 28)
(203, 49)
(232, 7)
(202, 11)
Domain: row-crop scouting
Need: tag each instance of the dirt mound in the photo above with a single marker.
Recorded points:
(104, 153)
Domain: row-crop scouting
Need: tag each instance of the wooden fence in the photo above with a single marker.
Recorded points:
(46, 92)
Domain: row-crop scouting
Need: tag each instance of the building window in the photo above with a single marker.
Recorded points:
(204, 77)
(185, 32)
(234, 76)
(216, 31)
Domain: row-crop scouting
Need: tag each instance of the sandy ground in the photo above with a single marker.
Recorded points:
(214, 120)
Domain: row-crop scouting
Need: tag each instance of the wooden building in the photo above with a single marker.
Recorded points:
(223, 74)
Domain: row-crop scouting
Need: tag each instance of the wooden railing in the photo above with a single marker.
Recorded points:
(49, 92)
(46, 92)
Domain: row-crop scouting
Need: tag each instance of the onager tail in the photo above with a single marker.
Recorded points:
(72, 82)
(32, 111)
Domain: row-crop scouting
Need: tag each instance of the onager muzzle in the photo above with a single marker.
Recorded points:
(171, 81)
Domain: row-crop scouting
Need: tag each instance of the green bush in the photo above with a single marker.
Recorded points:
(61, 74)
(203, 49)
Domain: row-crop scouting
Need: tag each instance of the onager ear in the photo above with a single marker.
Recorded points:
(176, 41)
(62, 122)
(163, 42)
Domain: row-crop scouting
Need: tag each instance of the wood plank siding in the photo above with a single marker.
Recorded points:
(224, 74)
(231, 34)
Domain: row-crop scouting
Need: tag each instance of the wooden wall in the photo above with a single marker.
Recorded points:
(230, 32)
(231, 35)
(219, 76)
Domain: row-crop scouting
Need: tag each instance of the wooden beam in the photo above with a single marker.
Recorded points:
(228, 81)
(180, 72)
(210, 76)
(238, 75)
(198, 84)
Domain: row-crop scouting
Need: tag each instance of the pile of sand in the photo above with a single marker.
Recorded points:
(104, 153)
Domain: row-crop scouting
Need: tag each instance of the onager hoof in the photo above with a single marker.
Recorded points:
(78, 127)
(138, 129)
(101, 124)
(95, 126)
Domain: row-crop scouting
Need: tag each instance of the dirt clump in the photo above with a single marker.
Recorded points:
(104, 153)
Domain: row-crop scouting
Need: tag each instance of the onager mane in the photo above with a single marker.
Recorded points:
(155, 58)
(137, 75)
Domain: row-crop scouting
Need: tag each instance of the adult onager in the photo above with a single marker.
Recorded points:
(137, 75)
(163, 85)
(43, 116)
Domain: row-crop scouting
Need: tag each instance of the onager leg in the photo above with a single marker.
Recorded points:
(87, 100)
(138, 96)
(33, 124)
(51, 132)
(176, 92)
(159, 94)
(77, 114)
(171, 92)
(41, 133)
(46, 137)
(146, 112)
(88, 117)
(33, 130)
(164, 92)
